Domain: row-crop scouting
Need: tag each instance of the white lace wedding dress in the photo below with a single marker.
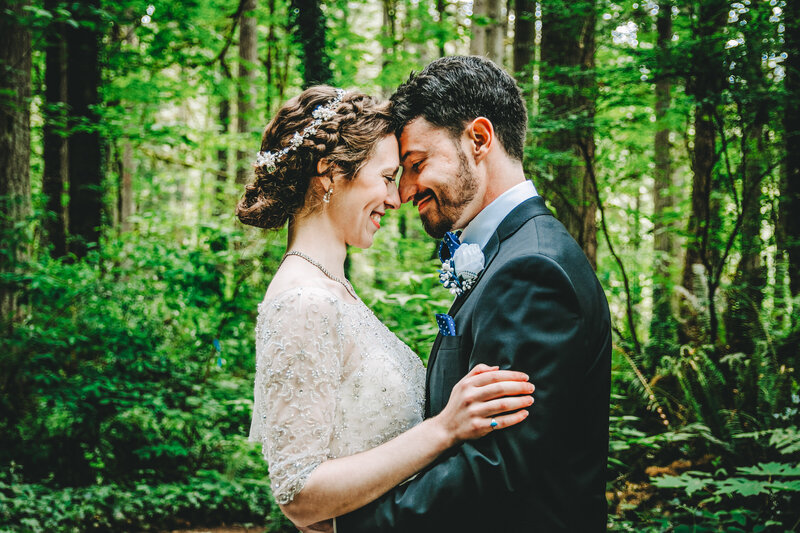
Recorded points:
(331, 380)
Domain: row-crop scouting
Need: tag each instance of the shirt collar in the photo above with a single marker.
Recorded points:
(480, 229)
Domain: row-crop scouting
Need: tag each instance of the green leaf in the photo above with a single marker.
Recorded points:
(771, 469)
(742, 486)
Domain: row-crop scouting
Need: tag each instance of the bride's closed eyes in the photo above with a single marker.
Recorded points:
(392, 175)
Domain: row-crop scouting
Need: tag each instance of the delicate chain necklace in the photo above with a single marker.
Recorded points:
(343, 282)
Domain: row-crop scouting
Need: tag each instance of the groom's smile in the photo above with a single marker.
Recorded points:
(422, 199)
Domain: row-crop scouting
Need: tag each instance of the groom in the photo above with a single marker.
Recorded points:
(536, 307)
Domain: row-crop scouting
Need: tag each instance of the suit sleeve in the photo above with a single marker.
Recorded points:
(527, 318)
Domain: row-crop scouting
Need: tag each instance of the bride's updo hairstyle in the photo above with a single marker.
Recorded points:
(346, 141)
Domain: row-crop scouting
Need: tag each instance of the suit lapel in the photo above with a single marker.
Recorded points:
(528, 209)
(514, 220)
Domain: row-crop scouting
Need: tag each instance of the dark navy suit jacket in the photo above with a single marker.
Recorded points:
(538, 308)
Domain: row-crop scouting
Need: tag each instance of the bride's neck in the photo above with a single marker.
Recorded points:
(316, 236)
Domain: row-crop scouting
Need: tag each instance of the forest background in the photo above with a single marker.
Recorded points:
(664, 134)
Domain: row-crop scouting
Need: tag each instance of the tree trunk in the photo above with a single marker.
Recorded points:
(224, 116)
(388, 46)
(496, 32)
(54, 139)
(749, 282)
(441, 9)
(750, 279)
(477, 42)
(702, 249)
(662, 324)
(524, 45)
(309, 24)
(125, 188)
(248, 48)
(15, 151)
(270, 62)
(567, 55)
(790, 190)
(84, 145)
(488, 30)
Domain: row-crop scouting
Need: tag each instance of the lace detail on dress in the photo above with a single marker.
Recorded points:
(331, 380)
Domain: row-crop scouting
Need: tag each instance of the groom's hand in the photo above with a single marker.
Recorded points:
(326, 526)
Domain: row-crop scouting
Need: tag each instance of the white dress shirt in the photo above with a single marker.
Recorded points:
(480, 229)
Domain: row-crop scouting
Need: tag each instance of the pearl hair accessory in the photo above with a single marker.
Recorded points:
(269, 160)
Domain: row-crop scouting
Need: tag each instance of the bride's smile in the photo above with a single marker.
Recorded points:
(357, 209)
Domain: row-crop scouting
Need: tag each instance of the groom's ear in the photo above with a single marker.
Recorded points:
(481, 136)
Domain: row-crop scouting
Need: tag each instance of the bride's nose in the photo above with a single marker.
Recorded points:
(392, 200)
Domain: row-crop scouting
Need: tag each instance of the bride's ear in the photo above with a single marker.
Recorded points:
(323, 166)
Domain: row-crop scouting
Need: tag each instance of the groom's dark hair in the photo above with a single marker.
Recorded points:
(452, 91)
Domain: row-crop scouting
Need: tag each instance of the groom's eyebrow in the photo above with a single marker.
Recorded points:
(408, 153)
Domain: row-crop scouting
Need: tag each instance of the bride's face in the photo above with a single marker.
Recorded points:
(359, 204)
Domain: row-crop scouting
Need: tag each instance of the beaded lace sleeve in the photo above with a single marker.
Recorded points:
(298, 373)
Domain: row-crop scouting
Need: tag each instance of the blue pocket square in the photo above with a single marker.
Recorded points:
(447, 326)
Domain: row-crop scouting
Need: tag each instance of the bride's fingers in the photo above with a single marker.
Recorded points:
(505, 421)
(494, 376)
(503, 388)
(481, 368)
(502, 405)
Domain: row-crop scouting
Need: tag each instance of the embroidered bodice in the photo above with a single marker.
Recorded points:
(331, 381)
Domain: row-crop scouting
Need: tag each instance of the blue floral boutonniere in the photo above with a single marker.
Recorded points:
(461, 264)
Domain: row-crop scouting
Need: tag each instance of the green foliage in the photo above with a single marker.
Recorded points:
(116, 405)
(205, 498)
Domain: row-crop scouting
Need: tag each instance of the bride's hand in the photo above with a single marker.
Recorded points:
(480, 398)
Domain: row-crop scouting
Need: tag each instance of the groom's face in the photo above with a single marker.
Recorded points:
(437, 176)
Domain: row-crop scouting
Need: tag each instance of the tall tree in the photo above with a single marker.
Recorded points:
(790, 193)
(54, 141)
(441, 10)
(224, 118)
(662, 324)
(309, 23)
(85, 166)
(15, 148)
(248, 50)
(568, 96)
(753, 100)
(123, 155)
(389, 40)
(524, 45)
(705, 84)
(125, 185)
(488, 30)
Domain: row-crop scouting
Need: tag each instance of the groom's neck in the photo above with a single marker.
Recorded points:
(501, 174)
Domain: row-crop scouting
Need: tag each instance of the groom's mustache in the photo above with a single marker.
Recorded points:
(422, 195)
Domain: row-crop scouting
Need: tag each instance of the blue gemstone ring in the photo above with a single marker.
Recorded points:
(494, 423)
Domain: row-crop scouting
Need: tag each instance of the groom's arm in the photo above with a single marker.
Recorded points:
(527, 318)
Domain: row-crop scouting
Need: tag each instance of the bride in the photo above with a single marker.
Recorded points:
(338, 398)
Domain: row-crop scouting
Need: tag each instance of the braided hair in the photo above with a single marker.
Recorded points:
(346, 141)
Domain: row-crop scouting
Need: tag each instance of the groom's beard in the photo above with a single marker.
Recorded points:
(450, 199)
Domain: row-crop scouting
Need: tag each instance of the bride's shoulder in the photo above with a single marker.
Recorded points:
(296, 298)
(304, 284)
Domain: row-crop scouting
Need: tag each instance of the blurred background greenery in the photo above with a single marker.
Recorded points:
(664, 134)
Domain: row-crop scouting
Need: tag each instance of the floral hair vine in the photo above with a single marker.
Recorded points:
(269, 160)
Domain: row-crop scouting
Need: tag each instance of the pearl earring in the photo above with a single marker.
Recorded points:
(328, 193)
